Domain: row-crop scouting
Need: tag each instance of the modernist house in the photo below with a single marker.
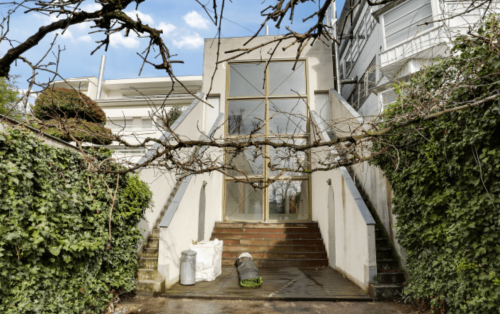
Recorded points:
(317, 219)
(387, 44)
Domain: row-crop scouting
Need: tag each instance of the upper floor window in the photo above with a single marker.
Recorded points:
(407, 20)
(269, 100)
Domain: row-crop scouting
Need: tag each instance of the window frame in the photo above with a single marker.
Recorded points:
(435, 11)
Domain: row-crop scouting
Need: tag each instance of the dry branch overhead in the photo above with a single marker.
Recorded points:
(353, 141)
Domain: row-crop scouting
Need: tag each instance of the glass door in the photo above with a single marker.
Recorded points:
(267, 101)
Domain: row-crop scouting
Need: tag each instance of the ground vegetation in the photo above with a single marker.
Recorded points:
(68, 236)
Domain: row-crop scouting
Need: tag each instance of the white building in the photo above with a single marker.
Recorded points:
(133, 106)
(381, 45)
(387, 44)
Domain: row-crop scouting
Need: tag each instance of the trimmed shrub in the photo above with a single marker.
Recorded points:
(81, 130)
(54, 213)
(68, 103)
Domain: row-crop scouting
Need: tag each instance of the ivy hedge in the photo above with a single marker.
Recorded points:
(55, 255)
(445, 176)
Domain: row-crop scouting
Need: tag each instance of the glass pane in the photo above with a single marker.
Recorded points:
(287, 116)
(243, 202)
(246, 117)
(248, 161)
(288, 159)
(289, 200)
(285, 81)
(246, 79)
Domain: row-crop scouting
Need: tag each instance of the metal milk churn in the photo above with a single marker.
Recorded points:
(188, 267)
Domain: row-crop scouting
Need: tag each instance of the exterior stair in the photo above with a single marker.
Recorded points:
(148, 279)
(272, 244)
(390, 277)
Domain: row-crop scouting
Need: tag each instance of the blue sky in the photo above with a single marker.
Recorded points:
(185, 25)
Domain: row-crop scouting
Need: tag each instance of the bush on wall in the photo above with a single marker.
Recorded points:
(446, 179)
(68, 113)
(54, 254)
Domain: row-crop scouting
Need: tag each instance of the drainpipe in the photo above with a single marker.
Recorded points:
(333, 22)
(267, 30)
(101, 74)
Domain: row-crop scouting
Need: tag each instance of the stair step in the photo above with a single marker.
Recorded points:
(267, 230)
(281, 262)
(149, 287)
(266, 255)
(150, 250)
(273, 242)
(148, 262)
(385, 253)
(272, 248)
(153, 242)
(148, 255)
(381, 292)
(238, 236)
(155, 233)
(148, 274)
(391, 278)
(264, 225)
(384, 265)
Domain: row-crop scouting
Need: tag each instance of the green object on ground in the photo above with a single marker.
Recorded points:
(251, 283)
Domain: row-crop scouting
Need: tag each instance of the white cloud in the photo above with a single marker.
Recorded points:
(91, 7)
(192, 41)
(85, 39)
(68, 35)
(167, 28)
(145, 18)
(117, 40)
(194, 19)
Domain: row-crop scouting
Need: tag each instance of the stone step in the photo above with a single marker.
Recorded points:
(267, 230)
(273, 242)
(153, 242)
(384, 265)
(391, 278)
(155, 233)
(379, 233)
(385, 253)
(266, 255)
(148, 255)
(380, 292)
(149, 287)
(281, 262)
(264, 225)
(148, 262)
(381, 243)
(270, 236)
(272, 248)
(148, 274)
(150, 250)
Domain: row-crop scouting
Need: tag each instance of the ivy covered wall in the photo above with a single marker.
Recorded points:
(55, 254)
(445, 174)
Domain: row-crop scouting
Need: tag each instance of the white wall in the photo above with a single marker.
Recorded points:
(161, 184)
(354, 232)
(379, 192)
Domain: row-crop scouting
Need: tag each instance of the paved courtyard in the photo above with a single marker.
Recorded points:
(161, 305)
(287, 284)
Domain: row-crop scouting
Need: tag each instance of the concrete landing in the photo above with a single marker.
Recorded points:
(289, 283)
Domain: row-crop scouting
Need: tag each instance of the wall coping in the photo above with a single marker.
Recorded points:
(172, 209)
(174, 126)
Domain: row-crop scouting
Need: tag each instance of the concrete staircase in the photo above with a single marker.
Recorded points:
(272, 244)
(149, 280)
(390, 277)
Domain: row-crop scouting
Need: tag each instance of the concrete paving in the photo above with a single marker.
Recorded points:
(160, 305)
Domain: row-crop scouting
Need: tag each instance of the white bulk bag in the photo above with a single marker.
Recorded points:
(208, 259)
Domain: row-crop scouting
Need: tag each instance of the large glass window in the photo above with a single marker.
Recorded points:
(406, 20)
(267, 101)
